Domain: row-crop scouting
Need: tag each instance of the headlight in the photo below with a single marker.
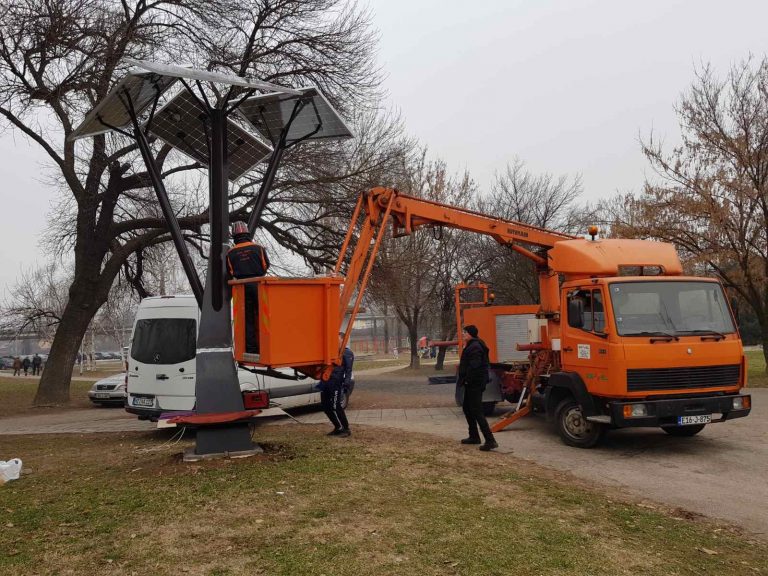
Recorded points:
(741, 403)
(120, 388)
(635, 410)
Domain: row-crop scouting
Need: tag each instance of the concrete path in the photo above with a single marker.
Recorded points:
(720, 473)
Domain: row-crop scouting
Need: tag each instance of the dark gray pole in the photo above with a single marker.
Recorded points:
(170, 218)
(219, 201)
(217, 387)
(266, 185)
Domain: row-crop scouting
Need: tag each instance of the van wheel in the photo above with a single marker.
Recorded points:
(574, 429)
(489, 408)
(683, 431)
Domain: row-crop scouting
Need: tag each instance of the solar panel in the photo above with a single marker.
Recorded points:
(206, 76)
(142, 88)
(180, 123)
(317, 119)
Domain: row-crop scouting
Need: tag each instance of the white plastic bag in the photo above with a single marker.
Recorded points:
(9, 470)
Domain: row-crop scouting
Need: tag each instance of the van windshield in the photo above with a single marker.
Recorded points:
(673, 308)
(164, 340)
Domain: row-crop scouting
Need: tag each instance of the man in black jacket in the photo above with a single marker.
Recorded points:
(332, 392)
(473, 375)
(246, 259)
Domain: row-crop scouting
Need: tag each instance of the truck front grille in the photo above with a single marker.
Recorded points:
(680, 378)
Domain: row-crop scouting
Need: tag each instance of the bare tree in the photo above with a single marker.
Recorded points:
(542, 200)
(58, 58)
(36, 303)
(710, 195)
(412, 273)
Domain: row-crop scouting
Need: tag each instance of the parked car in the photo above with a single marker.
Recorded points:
(109, 391)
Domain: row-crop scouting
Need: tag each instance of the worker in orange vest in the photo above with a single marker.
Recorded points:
(246, 259)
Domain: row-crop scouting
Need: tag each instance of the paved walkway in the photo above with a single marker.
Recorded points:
(701, 474)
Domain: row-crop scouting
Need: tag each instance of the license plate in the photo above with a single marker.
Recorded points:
(689, 420)
(101, 395)
(144, 402)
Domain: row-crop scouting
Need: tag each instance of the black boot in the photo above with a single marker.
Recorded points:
(334, 432)
(471, 440)
(345, 433)
(490, 444)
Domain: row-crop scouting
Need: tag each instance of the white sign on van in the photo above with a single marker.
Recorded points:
(584, 353)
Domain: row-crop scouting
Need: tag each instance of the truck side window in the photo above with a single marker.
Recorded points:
(598, 312)
(593, 317)
(588, 322)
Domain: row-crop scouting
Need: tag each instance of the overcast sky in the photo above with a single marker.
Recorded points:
(567, 86)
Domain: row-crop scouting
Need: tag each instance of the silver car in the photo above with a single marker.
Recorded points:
(110, 390)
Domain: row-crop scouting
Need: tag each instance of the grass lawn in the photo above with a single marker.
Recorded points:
(16, 396)
(756, 376)
(382, 502)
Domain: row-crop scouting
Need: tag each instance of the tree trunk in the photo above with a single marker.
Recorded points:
(413, 330)
(85, 300)
(386, 331)
(440, 358)
(54, 383)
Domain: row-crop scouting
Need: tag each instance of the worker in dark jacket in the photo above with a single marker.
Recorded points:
(473, 376)
(246, 259)
(332, 392)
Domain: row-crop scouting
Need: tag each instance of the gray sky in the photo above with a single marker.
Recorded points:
(568, 86)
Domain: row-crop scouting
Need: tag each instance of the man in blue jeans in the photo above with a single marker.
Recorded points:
(332, 392)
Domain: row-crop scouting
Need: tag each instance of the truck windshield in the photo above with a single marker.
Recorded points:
(164, 340)
(670, 308)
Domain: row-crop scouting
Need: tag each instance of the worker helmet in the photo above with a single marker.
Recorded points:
(239, 227)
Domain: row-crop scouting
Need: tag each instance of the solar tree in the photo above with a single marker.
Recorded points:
(230, 131)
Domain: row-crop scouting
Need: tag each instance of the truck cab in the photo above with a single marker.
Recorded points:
(645, 350)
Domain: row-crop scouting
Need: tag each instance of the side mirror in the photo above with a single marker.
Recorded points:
(576, 313)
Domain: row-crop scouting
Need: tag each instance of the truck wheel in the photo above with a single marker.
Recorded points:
(683, 431)
(574, 429)
(489, 408)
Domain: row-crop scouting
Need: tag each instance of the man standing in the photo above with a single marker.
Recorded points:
(246, 259)
(26, 364)
(333, 389)
(36, 362)
(473, 375)
(16, 366)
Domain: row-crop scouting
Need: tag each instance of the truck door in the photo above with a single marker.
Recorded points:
(585, 346)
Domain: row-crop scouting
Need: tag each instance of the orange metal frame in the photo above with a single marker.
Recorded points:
(374, 210)
(460, 305)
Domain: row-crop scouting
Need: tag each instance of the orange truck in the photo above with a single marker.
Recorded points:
(619, 339)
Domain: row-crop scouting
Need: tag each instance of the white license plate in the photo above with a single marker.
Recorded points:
(144, 402)
(101, 395)
(689, 420)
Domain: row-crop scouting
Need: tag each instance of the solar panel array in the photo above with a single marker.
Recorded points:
(271, 113)
(181, 123)
(142, 89)
(207, 76)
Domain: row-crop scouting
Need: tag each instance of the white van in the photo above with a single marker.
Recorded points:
(161, 363)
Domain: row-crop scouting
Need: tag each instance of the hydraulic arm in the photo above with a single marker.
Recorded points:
(380, 206)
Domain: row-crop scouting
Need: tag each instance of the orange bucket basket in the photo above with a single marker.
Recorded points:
(298, 321)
